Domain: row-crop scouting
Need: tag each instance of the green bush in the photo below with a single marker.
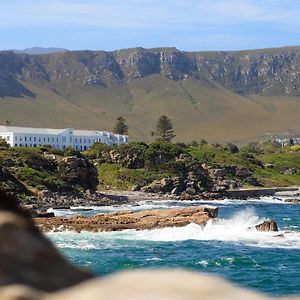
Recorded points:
(69, 151)
(40, 179)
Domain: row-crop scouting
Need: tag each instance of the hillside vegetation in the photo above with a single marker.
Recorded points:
(28, 171)
(258, 164)
(219, 96)
(180, 169)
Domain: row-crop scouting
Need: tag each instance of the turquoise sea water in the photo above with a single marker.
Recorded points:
(261, 261)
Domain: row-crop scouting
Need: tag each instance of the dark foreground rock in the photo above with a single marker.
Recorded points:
(130, 220)
(27, 257)
(142, 284)
(269, 225)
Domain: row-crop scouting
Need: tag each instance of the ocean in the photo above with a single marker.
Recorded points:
(263, 261)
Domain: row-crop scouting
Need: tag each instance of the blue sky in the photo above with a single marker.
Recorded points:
(115, 24)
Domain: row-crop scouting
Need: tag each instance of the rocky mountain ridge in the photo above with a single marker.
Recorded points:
(265, 72)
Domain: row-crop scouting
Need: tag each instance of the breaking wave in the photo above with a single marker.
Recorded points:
(238, 229)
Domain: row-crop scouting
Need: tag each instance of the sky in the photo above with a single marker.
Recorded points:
(190, 25)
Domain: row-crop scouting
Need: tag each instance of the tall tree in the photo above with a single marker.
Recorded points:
(120, 126)
(164, 129)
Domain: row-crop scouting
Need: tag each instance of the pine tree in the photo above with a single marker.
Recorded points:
(164, 129)
(120, 126)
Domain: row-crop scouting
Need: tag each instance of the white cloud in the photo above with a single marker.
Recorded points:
(147, 14)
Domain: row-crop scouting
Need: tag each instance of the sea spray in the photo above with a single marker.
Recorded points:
(238, 229)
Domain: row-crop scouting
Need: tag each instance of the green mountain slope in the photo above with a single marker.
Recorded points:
(234, 96)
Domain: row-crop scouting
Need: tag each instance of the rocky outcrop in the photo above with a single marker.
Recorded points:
(79, 171)
(269, 225)
(27, 257)
(130, 220)
(130, 159)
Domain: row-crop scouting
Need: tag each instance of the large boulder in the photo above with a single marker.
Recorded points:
(219, 173)
(269, 225)
(131, 159)
(243, 172)
(78, 171)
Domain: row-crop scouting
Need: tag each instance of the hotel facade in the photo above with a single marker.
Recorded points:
(59, 138)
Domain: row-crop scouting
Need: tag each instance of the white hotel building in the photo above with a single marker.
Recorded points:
(59, 138)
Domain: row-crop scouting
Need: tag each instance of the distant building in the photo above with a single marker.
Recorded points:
(59, 138)
(283, 141)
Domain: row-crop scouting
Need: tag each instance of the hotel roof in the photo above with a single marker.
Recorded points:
(30, 130)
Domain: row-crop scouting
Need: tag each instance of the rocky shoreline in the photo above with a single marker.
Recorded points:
(38, 206)
(131, 220)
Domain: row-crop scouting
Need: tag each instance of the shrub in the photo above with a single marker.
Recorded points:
(295, 148)
(3, 144)
(232, 148)
(39, 179)
(69, 151)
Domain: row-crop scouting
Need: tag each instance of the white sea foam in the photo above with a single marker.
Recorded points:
(164, 204)
(239, 229)
(203, 263)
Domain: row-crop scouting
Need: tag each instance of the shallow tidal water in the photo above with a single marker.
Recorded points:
(262, 261)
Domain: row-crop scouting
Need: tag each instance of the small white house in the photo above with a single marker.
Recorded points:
(59, 138)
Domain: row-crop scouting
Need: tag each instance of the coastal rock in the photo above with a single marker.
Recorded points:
(167, 184)
(243, 172)
(45, 194)
(136, 188)
(219, 173)
(190, 191)
(131, 220)
(27, 257)
(132, 158)
(79, 171)
(44, 214)
(297, 201)
(289, 171)
(269, 225)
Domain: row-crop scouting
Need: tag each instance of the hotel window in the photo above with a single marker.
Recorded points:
(39, 139)
(34, 139)
(48, 139)
(53, 140)
(56, 139)
(8, 138)
(16, 138)
(25, 138)
(30, 138)
(80, 141)
(85, 141)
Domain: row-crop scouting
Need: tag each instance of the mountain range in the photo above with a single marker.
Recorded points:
(220, 96)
